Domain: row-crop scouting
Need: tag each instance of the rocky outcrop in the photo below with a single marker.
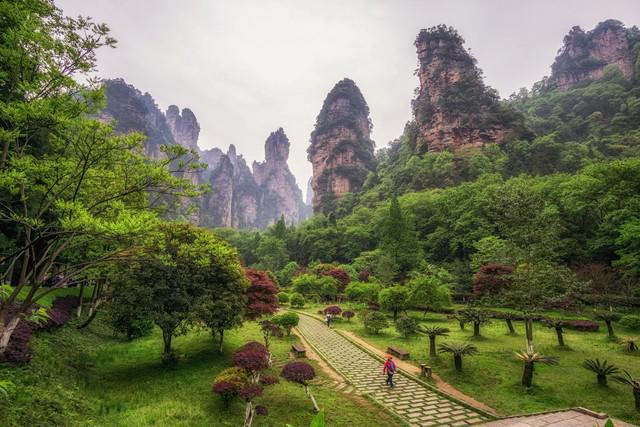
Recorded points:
(279, 190)
(453, 107)
(239, 198)
(584, 55)
(341, 150)
(184, 127)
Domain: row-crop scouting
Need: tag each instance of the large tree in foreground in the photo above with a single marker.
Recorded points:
(183, 272)
(67, 182)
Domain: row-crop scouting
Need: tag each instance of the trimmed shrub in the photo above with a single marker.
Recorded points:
(333, 310)
(348, 314)
(362, 291)
(262, 410)
(298, 372)
(297, 301)
(252, 357)
(582, 325)
(375, 321)
(287, 321)
(283, 297)
(407, 326)
(269, 380)
(250, 391)
(364, 275)
(630, 321)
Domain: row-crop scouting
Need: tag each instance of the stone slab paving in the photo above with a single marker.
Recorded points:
(570, 418)
(412, 401)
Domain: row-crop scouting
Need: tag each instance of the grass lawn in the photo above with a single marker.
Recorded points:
(92, 378)
(493, 375)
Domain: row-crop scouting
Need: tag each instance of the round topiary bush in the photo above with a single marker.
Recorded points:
(375, 321)
(252, 357)
(333, 310)
(298, 372)
(250, 391)
(348, 314)
(262, 410)
(283, 297)
(287, 321)
(407, 326)
(297, 301)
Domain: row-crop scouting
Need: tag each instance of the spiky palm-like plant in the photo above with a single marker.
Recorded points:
(558, 325)
(634, 383)
(530, 359)
(601, 369)
(458, 350)
(629, 344)
(608, 317)
(433, 332)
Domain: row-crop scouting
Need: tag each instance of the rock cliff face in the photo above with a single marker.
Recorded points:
(184, 127)
(239, 198)
(279, 190)
(585, 55)
(453, 107)
(341, 150)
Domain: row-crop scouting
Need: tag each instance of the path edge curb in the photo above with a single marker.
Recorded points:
(485, 414)
(335, 368)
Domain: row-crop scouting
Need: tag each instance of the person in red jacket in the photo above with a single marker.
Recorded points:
(389, 369)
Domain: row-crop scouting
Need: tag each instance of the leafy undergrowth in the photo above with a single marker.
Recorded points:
(90, 377)
(493, 375)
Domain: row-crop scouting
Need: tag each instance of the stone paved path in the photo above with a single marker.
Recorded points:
(413, 402)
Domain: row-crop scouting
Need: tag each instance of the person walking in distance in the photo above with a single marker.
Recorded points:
(327, 317)
(389, 369)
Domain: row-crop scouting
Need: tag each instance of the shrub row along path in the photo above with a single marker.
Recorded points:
(409, 399)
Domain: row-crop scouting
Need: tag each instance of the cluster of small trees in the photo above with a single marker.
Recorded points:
(183, 275)
(247, 378)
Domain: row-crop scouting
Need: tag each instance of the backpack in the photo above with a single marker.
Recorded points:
(391, 368)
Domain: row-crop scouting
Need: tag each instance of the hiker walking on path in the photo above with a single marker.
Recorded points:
(328, 319)
(389, 369)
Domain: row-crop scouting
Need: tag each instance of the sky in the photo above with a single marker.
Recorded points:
(248, 67)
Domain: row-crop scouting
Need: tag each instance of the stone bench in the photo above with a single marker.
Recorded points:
(398, 352)
(298, 350)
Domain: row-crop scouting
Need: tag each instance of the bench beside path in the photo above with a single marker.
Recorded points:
(410, 400)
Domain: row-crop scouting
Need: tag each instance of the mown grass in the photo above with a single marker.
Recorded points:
(493, 375)
(90, 377)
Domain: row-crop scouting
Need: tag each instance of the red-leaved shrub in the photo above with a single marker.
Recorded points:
(253, 357)
(262, 410)
(298, 372)
(492, 279)
(348, 314)
(583, 325)
(269, 380)
(250, 391)
(262, 294)
(364, 275)
(333, 310)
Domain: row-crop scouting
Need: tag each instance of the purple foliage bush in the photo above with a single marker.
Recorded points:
(298, 372)
(334, 310)
(250, 391)
(262, 410)
(583, 325)
(269, 380)
(19, 350)
(252, 357)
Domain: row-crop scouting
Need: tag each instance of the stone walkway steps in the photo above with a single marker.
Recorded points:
(409, 399)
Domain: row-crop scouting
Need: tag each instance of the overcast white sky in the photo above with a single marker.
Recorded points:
(247, 67)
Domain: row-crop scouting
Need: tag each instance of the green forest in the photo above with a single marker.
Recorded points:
(481, 262)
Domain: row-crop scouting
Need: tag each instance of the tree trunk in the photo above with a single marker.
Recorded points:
(602, 380)
(94, 296)
(461, 323)
(476, 329)
(6, 330)
(167, 353)
(560, 337)
(636, 396)
(248, 415)
(610, 329)
(395, 315)
(457, 362)
(315, 405)
(510, 326)
(432, 346)
(528, 325)
(80, 297)
(221, 340)
(527, 375)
